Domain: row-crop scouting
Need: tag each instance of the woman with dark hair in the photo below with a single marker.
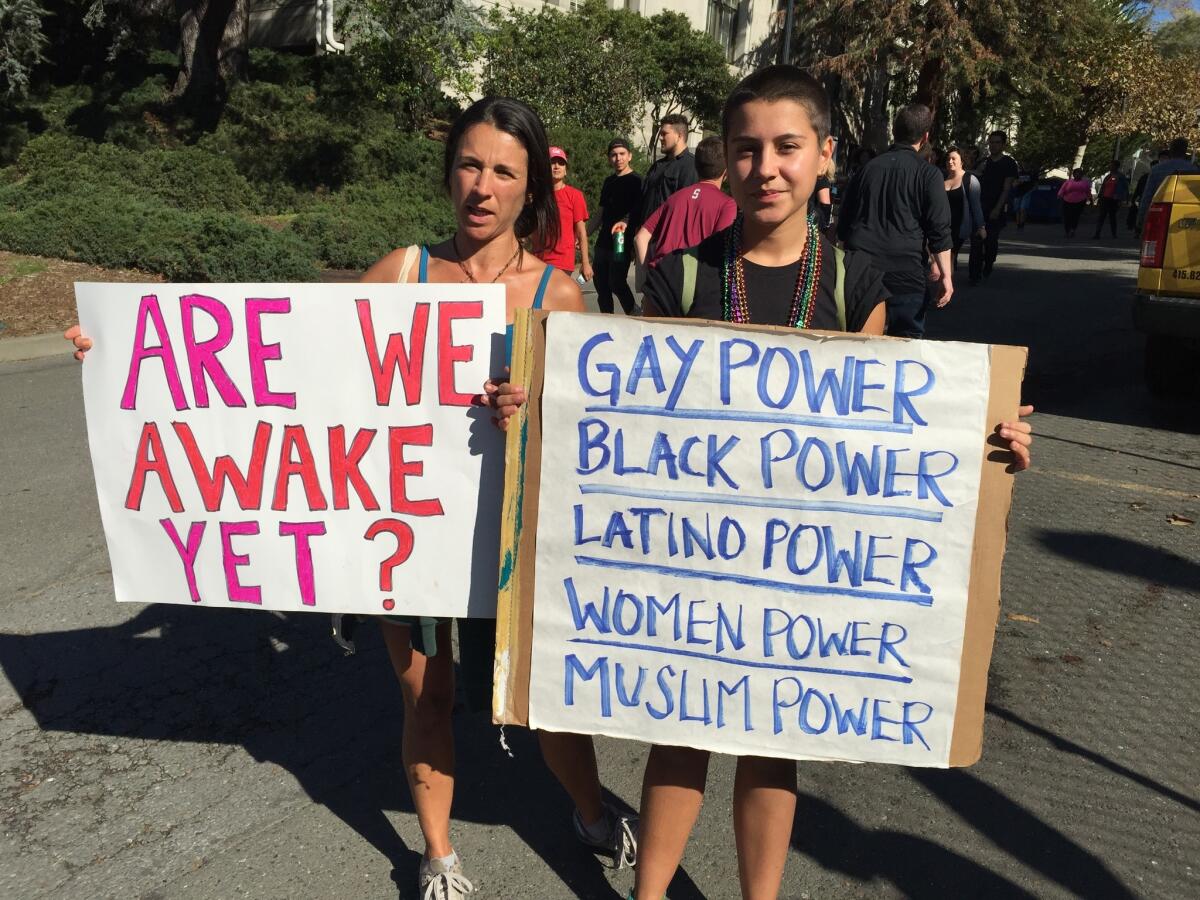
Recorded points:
(497, 173)
(966, 212)
(764, 269)
(1075, 193)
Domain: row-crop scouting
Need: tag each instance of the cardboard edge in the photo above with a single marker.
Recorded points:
(987, 555)
(522, 481)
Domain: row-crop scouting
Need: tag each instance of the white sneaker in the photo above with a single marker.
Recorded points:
(437, 881)
(618, 847)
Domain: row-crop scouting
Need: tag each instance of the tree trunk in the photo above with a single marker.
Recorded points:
(877, 132)
(212, 47)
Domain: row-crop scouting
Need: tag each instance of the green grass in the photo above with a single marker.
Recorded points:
(20, 266)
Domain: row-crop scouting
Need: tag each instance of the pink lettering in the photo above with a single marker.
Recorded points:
(301, 532)
(187, 553)
(238, 592)
(149, 311)
(202, 355)
(261, 354)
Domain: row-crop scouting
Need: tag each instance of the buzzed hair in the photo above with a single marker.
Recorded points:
(710, 158)
(912, 123)
(676, 121)
(781, 82)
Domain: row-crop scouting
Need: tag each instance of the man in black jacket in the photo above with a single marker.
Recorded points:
(895, 211)
(674, 171)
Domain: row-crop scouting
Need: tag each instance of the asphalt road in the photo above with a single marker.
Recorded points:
(170, 752)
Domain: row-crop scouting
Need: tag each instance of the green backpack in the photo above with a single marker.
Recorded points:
(691, 265)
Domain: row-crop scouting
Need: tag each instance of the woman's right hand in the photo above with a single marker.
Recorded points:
(82, 344)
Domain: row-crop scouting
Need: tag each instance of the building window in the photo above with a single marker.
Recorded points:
(722, 25)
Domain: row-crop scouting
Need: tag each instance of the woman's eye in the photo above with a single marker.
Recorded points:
(789, 148)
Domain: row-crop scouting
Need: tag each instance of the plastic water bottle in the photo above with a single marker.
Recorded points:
(619, 246)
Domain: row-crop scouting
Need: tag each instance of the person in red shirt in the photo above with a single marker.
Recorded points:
(692, 213)
(1113, 191)
(572, 215)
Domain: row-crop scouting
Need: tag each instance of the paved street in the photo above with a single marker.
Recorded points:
(171, 752)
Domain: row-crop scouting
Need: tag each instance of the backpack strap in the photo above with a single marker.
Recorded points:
(839, 290)
(691, 265)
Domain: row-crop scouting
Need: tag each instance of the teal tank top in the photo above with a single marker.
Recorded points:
(423, 271)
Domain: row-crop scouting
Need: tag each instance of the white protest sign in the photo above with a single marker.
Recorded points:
(755, 542)
(297, 447)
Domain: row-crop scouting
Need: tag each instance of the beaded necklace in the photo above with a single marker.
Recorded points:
(733, 278)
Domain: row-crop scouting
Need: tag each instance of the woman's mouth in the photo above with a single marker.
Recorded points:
(478, 213)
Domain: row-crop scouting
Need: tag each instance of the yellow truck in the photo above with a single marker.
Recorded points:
(1167, 303)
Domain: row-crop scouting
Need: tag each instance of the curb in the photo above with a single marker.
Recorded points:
(38, 346)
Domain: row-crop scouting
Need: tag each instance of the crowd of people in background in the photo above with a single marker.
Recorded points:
(910, 209)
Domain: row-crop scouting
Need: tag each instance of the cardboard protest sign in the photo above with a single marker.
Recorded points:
(755, 541)
(297, 447)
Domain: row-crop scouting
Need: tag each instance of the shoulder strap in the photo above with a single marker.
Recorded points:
(410, 257)
(423, 269)
(839, 290)
(691, 265)
(541, 288)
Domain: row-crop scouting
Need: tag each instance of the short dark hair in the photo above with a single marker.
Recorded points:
(618, 142)
(676, 121)
(912, 123)
(1077, 173)
(781, 82)
(1179, 147)
(710, 158)
(539, 219)
(999, 134)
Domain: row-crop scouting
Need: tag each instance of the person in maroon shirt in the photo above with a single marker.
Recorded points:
(692, 213)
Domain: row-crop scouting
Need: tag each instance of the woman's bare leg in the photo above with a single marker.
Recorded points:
(427, 746)
(672, 791)
(764, 806)
(572, 759)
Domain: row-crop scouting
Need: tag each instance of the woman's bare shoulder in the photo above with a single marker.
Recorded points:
(387, 269)
(563, 293)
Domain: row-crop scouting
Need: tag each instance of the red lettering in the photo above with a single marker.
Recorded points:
(343, 467)
(295, 437)
(398, 438)
(450, 353)
(151, 457)
(408, 360)
(247, 488)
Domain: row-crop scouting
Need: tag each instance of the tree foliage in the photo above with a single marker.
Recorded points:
(21, 44)
(407, 50)
(601, 68)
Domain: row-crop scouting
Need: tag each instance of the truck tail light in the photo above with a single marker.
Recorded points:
(1154, 235)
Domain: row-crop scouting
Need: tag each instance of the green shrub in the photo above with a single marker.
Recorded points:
(352, 229)
(186, 178)
(107, 226)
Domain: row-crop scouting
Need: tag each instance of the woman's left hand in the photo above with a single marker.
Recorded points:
(503, 397)
(1017, 436)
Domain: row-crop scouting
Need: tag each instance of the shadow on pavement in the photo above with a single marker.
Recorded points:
(1021, 834)
(278, 686)
(915, 866)
(1124, 557)
(1061, 743)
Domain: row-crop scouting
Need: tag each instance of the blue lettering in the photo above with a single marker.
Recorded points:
(614, 387)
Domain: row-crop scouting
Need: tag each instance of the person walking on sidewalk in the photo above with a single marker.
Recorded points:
(966, 212)
(572, 221)
(620, 202)
(895, 209)
(1114, 189)
(1075, 193)
(691, 214)
(997, 175)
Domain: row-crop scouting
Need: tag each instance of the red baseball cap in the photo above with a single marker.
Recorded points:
(558, 153)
